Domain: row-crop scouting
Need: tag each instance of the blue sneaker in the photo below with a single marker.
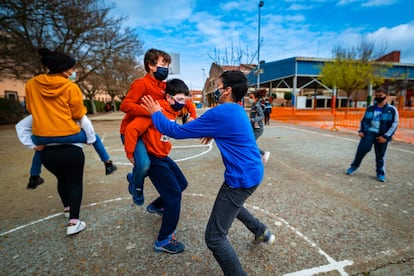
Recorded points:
(137, 196)
(381, 177)
(351, 170)
(153, 210)
(169, 245)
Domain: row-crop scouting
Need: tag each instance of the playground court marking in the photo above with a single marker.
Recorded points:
(332, 265)
(356, 140)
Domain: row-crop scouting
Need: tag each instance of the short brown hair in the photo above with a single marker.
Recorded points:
(383, 90)
(152, 55)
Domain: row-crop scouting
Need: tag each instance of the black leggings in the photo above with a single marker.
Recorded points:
(66, 162)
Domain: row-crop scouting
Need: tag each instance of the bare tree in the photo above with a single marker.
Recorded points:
(81, 28)
(234, 55)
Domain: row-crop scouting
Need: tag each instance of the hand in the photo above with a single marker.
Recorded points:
(39, 147)
(150, 105)
(132, 160)
(361, 134)
(205, 140)
(381, 140)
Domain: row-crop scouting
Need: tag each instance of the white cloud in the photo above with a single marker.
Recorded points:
(379, 3)
(299, 7)
(400, 38)
(144, 14)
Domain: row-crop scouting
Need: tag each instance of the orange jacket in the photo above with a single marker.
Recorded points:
(55, 102)
(156, 143)
(146, 85)
(190, 109)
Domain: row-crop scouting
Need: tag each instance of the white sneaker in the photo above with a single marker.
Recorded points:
(266, 156)
(75, 228)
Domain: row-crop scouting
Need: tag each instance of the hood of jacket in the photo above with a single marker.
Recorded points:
(52, 85)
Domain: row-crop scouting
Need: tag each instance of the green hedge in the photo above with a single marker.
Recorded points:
(100, 106)
(11, 111)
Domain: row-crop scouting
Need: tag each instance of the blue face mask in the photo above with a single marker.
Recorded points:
(161, 73)
(177, 106)
(72, 77)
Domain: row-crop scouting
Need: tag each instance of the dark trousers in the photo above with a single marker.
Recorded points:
(266, 118)
(66, 162)
(170, 182)
(227, 207)
(365, 145)
(257, 133)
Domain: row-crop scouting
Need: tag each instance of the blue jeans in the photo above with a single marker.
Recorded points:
(365, 145)
(257, 133)
(142, 163)
(170, 182)
(75, 138)
(227, 207)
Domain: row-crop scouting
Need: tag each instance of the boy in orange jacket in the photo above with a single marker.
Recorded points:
(156, 63)
(164, 173)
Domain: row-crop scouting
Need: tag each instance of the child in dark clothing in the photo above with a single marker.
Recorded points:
(164, 173)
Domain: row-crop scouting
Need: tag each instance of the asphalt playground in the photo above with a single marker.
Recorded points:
(325, 222)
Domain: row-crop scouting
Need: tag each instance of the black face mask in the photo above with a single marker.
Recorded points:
(379, 99)
(161, 73)
(177, 106)
(217, 95)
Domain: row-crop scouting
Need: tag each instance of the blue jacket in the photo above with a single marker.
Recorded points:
(388, 122)
(230, 127)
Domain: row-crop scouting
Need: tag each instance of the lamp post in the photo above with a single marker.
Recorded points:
(261, 3)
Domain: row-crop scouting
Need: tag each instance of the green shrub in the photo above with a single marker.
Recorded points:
(11, 111)
(100, 106)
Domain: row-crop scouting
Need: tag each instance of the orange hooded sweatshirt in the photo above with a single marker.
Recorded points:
(156, 143)
(55, 102)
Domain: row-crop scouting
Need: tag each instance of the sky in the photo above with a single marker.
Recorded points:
(202, 32)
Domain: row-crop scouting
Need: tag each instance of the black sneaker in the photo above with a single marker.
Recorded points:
(109, 167)
(154, 210)
(266, 237)
(34, 181)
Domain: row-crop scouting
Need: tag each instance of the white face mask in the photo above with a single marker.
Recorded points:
(72, 76)
(251, 101)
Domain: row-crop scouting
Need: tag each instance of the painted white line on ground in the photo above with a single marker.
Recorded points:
(209, 146)
(58, 214)
(343, 138)
(333, 265)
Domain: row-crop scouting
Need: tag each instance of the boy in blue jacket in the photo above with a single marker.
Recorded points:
(378, 125)
(230, 127)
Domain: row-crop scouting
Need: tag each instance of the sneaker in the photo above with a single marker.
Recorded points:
(266, 237)
(381, 177)
(169, 245)
(265, 157)
(153, 210)
(109, 167)
(137, 195)
(74, 228)
(351, 170)
(34, 181)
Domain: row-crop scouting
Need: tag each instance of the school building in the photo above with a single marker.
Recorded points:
(299, 76)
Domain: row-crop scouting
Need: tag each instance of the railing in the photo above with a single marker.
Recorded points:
(341, 117)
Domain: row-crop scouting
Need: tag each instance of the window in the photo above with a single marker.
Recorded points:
(11, 95)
